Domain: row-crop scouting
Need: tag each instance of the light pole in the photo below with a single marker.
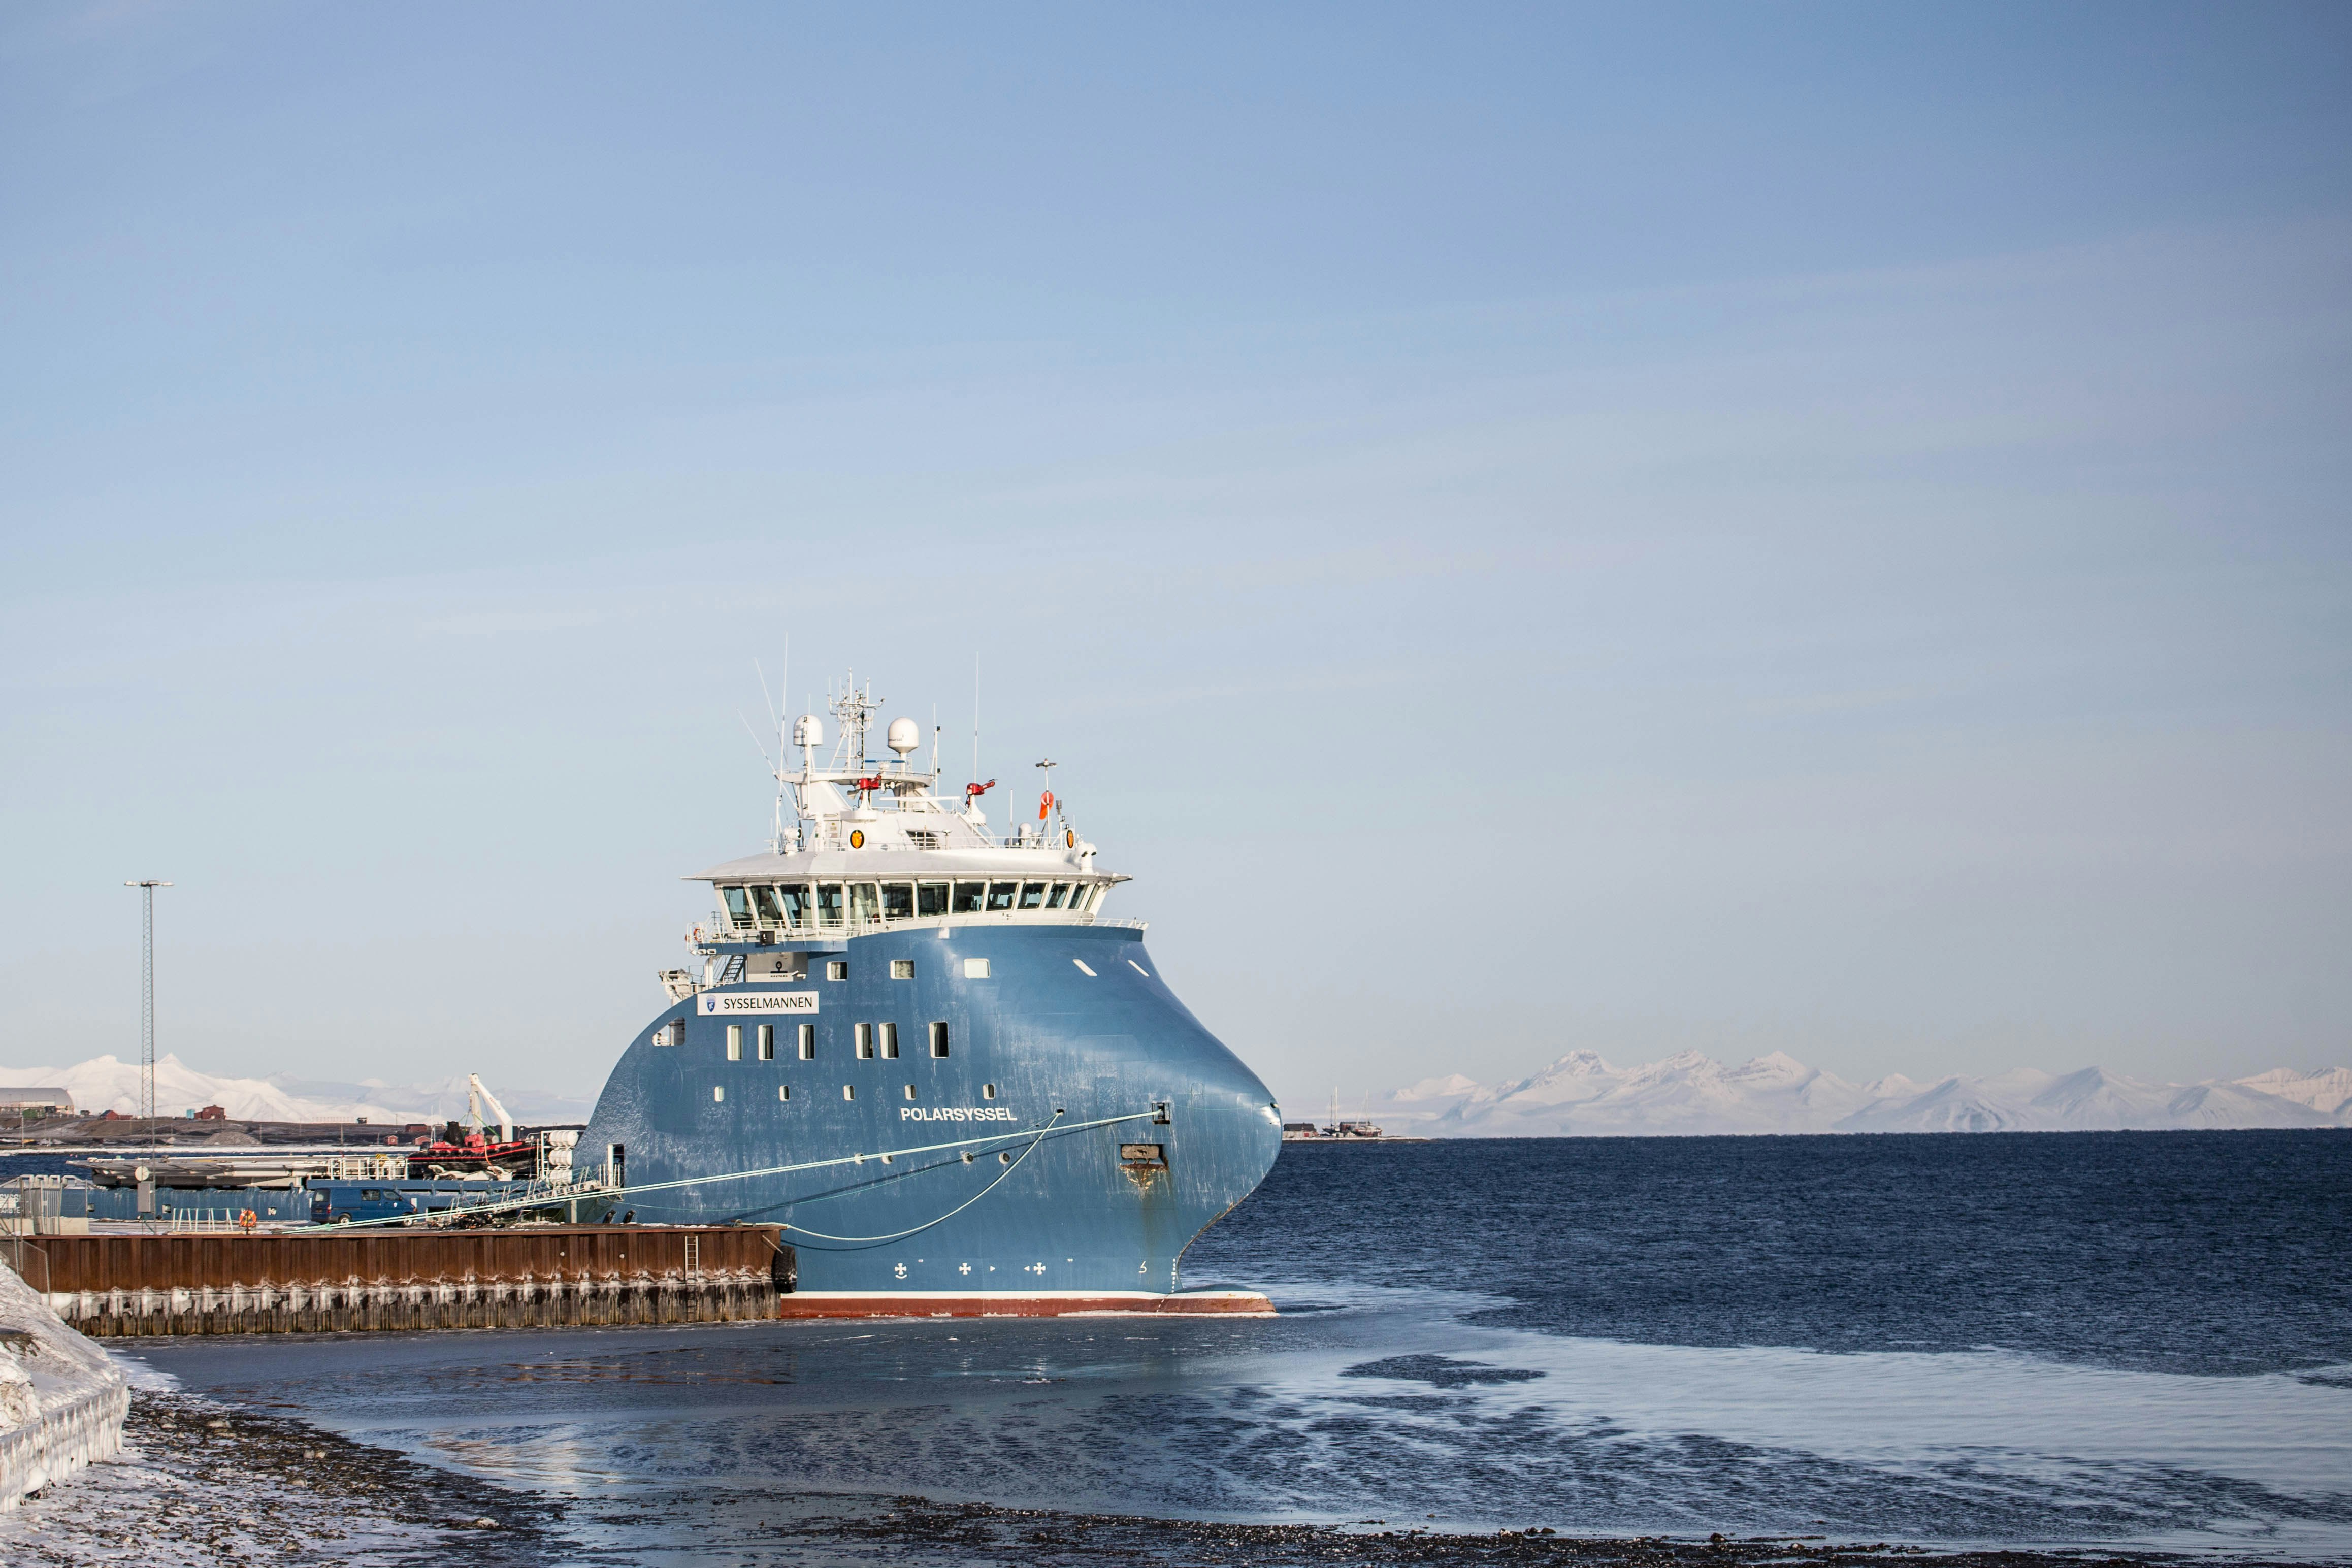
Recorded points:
(147, 999)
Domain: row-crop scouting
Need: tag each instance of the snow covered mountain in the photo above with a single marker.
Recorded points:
(104, 1083)
(1691, 1093)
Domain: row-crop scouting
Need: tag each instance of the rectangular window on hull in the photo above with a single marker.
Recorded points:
(739, 907)
(865, 1042)
(783, 1091)
(830, 898)
(939, 1047)
(897, 901)
(910, 1091)
(1000, 895)
(734, 1042)
(902, 969)
(849, 1091)
(808, 1042)
(763, 904)
(975, 969)
(970, 896)
(837, 969)
(988, 1091)
(930, 898)
(889, 1041)
(767, 1042)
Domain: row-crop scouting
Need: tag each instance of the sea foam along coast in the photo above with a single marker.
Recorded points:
(62, 1402)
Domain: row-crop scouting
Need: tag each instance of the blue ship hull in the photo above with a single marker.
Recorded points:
(1070, 1024)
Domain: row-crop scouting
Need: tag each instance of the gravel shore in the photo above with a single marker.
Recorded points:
(201, 1483)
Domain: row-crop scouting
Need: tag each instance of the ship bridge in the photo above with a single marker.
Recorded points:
(872, 846)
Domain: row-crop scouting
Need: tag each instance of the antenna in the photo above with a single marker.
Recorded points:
(763, 689)
(975, 716)
(755, 739)
(784, 688)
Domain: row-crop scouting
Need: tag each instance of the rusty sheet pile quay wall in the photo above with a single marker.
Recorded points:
(541, 1278)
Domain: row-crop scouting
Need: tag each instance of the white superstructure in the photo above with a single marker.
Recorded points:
(871, 845)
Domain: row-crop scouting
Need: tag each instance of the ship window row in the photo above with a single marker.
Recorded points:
(794, 906)
(848, 1091)
(869, 1041)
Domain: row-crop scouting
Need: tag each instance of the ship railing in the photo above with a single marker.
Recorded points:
(510, 1195)
(718, 929)
(205, 1221)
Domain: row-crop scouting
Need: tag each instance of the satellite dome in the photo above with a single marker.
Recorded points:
(809, 730)
(903, 737)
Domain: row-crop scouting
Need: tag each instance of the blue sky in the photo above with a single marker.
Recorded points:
(1813, 528)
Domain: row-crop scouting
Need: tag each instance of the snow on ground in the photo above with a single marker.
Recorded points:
(61, 1397)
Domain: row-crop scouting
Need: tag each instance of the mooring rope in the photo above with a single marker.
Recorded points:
(1034, 1134)
(894, 1235)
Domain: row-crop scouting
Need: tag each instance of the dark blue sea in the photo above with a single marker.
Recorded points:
(2129, 1340)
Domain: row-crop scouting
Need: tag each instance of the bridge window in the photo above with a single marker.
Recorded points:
(1000, 895)
(763, 902)
(1033, 895)
(970, 896)
(1061, 891)
(889, 1040)
(864, 903)
(1082, 896)
(808, 1042)
(898, 901)
(739, 907)
(830, 899)
(865, 1042)
(734, 1042)
(902, 969)
(939, 1047)
(795, 900)
(767, 1042)
(931, 898)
